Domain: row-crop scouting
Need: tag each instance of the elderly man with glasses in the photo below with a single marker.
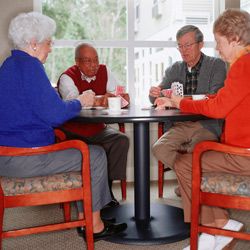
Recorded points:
(88, 77)
(199, 74)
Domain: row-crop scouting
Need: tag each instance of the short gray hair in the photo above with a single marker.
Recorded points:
(190, 28)
(32, 25)
(82, 46)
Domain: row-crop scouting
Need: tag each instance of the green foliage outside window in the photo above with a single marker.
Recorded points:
(90, 20)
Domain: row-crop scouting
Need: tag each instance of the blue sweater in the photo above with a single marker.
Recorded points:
(29, 106)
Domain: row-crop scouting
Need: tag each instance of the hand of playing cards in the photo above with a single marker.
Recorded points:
(176, 89)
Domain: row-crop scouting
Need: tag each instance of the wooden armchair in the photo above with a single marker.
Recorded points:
(217, 189)
(123, 182)
(42, 190)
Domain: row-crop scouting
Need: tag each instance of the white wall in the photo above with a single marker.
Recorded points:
(232, 4)
(8, 10)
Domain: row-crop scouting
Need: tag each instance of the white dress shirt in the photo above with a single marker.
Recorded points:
(68, 89)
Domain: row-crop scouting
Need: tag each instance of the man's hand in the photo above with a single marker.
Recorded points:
(102, 100)
(87, 98)
(99, 99)
(105, 99)
(155, 91)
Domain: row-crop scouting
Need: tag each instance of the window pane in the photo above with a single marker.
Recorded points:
(57, 62)
(88, 19)
(150, 66)
(245, 5)
(115, 59)
(105, 22)
(160, 19)
(62, 58)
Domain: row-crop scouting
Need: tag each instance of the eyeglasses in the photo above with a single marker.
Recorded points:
(50, 42)
(185, 46)
(88, 61)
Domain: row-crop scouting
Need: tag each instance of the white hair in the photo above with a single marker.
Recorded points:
(28, 26)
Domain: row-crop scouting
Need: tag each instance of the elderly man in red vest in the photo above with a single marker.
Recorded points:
(89, 77)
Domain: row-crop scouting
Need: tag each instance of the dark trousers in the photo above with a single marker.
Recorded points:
(115, 144)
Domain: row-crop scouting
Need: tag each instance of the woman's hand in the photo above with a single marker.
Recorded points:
(163, 102)
(176, 100)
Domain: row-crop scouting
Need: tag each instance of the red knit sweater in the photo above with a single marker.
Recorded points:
(99, 86)
(232, 102)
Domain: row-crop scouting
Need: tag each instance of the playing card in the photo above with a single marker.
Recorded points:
(124, 102)
(167, 92)
(119, 90)
(177, 88)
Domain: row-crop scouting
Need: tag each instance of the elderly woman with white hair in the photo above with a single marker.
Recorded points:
(30, 108)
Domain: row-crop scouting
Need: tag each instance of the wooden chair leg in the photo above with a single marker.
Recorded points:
(66, 211)
(194, 236)
(195, 215)
(124, 189)
(123, 182)
(1, 218)
(160, 164)
(160, 179)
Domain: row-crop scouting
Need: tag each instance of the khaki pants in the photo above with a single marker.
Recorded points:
(180, 138)
(211, 162)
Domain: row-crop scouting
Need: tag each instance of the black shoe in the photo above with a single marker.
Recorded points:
(113, 203)
(108, 231)
(81, 230)
(109, 219)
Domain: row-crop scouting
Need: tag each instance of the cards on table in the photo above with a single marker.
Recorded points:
(124, 102)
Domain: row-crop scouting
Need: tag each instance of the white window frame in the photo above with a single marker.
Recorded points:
(131, 43)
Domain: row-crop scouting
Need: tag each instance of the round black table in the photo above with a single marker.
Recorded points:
(148, 223)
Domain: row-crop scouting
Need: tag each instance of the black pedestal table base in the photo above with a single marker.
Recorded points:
(147, 223)
(166, 225)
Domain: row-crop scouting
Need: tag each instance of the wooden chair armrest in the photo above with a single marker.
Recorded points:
(16, 151)
(60, 135)
(205, 146)
(75, 144)
(220, 147)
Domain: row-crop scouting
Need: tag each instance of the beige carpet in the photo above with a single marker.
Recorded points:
(67, 240)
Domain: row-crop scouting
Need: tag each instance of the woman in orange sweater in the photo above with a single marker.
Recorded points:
(232, 102)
